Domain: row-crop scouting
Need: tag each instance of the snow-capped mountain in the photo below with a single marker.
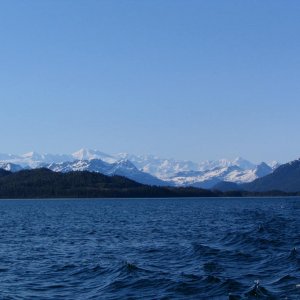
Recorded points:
(209, 178)
(87, 154)
(232, 173)
(33, 159)
(204, 174)
(10, 167)
(165, 168)
(225, 163)
(159, 167)
(148, 169)
(122, 168)
(274, 164)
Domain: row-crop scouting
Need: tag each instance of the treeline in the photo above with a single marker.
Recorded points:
(273, 193)
(43, 183)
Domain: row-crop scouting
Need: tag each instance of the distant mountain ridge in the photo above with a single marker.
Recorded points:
(122, 168)
(7, 166)
(224, 175)
(285, 178)
(146, 169)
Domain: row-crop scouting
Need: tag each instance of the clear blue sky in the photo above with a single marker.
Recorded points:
(186, 79)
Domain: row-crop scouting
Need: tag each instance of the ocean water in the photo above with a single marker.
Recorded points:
(150, 249)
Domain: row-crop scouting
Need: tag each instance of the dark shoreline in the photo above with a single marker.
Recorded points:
(248, 196)
(144, 198)
(46, 184)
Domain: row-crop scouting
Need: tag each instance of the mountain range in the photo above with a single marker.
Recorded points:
(145, 169)
(223, 175)
(285, 178)
(122, 168)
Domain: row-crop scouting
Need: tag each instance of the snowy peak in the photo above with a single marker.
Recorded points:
(34, 159)
(94, 165)
(85, 154)
(243, 163)
(208, 178)
(274, 164)
(88, 154)
(148, 169)
(122, 168)
(33, 155)
(225, 163)
(160, 167)
(10, 167)
(125, 164)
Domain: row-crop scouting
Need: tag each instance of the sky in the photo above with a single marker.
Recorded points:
(185, 79)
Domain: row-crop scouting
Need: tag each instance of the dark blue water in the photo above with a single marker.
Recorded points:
(150, 249)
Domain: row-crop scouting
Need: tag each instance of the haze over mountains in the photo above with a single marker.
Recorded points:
(146, 169)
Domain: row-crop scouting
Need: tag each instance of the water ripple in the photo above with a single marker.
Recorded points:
(150, 249)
